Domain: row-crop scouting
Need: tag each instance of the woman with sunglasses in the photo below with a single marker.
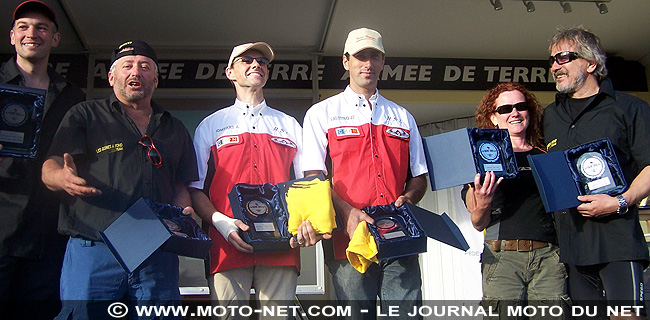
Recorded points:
(520, 256)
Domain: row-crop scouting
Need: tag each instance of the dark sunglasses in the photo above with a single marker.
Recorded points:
(248, 60)
(563, 57)
(507, 108)
(154, 155)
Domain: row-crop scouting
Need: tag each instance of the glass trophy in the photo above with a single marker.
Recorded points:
(391, 228)
(595, 176)
(489, 157)
(21, 114)
(258, 212)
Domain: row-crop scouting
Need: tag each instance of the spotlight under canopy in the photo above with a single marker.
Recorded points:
(565, 4)
(530, 7)
(496, 4)
(566, 7)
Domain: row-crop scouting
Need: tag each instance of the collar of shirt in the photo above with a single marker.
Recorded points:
(361, 103)
(250, 110)
(606, 87)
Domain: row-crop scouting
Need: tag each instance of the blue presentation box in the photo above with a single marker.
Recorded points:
(560, 181)
(264, 209)
(403, 231)
(455, 157)
(21, 115)
(142, 229)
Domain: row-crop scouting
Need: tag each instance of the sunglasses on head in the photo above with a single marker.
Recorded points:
(563, 57)
(248, 60)
(507, 108)
(154, 155)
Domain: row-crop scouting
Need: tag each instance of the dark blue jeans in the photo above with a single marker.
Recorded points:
(91, 279)
(397, 282)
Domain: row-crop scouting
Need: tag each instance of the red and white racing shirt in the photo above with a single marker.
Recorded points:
(372, 149)
(245, 144)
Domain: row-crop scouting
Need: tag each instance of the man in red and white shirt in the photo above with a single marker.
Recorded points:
(248, 142)
(377, 158)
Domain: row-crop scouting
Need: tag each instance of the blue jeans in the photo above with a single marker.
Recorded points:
(397, 282)
(92, 279)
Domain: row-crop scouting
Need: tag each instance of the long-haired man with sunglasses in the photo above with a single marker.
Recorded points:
(106, 155)
(248, 142)
(601, 241)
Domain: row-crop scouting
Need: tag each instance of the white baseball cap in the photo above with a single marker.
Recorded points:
(262, 47)
(363, 38)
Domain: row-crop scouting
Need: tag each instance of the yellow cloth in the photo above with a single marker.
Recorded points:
(362, 249)
(311, 200)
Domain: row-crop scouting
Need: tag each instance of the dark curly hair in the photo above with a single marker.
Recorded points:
(535, 112)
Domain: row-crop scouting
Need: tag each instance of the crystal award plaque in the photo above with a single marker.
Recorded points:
(21, 114)
(489, 156)
(595, 176)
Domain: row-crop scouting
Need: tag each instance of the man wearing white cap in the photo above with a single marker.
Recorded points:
(248, 142)
(377, 158)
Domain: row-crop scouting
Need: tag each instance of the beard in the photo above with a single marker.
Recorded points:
(133, 96)
(572, 85)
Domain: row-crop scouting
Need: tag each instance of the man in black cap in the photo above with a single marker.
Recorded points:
(31, 250)
(106, 155)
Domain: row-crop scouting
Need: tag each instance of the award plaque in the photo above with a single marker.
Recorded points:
(489, 156)
(595, 176)
(263, 224)
(21, 114)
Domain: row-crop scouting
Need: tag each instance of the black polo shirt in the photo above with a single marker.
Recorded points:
(29, 211)
(104, 143)
(625, 120)
(517, 209)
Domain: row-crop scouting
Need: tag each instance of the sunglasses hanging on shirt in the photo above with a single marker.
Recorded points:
(154, 155)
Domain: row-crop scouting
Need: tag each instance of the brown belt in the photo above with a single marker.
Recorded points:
(516, 245)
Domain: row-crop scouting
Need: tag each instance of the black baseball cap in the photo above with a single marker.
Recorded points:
(34, 6)
(133, 48)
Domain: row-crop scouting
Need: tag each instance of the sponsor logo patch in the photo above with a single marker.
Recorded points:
(398, 132)
(346, 132)
(227, 140)
(110, 148)
(284, 142)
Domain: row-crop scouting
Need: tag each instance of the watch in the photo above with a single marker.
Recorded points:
(622, 205)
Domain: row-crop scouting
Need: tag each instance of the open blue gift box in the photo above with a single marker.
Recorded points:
(269, 229)
(264, 209)
(146, 226)
(559, 179)
(455, 157)
(21, 110)
(403, 231)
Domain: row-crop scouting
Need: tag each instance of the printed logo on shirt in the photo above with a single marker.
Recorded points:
(223, 141)
(551, 144)
(347, 132)
(110, 148)
(398, 132)
(284, 142)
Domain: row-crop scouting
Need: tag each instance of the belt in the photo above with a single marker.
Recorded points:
(516, 245)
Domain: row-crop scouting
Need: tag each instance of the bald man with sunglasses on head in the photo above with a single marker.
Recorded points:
(106, 155)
